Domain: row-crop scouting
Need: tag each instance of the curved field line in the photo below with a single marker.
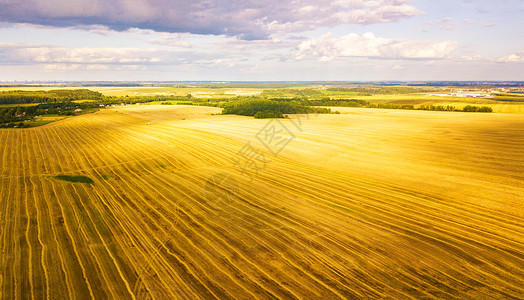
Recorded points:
(149, 226)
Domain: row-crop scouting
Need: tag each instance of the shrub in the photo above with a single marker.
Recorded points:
(485, 109)
(267, 114)
(471, 108)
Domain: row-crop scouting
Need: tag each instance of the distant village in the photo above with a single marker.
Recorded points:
(462, 94)
(488, 93)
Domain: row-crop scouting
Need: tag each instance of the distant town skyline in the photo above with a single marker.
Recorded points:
(302, 40)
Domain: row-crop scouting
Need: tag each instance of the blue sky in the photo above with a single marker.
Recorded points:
(254, 40)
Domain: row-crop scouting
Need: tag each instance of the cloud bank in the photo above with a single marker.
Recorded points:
(63, 58)
(247, 19)
(368, 45)
(29, 54)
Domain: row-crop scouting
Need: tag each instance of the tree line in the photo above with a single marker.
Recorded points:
(17, 116)
(52, 96)
(326, 101)
(468, 108)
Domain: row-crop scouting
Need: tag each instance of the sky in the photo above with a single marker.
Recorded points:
(271, 40)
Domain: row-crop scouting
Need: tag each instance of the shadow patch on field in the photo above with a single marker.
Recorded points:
(75, 179)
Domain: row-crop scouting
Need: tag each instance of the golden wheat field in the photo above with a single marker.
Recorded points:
(190, 205)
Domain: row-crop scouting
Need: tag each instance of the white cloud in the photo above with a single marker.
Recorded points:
(471, 58)
(450, 26)
(96, 29)
(446, 24)
(445, 20)
(91, 67)
(512, 58)
(61, 67)
(368, 45)
(172, 42)
(88, 55)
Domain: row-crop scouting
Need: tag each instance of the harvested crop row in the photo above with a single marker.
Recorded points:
(154, 224)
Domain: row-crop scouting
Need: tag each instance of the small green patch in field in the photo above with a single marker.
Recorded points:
(75, 179)
(106, 177)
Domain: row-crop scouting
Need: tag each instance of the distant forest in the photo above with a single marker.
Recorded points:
(262, 108)
(271, 104)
